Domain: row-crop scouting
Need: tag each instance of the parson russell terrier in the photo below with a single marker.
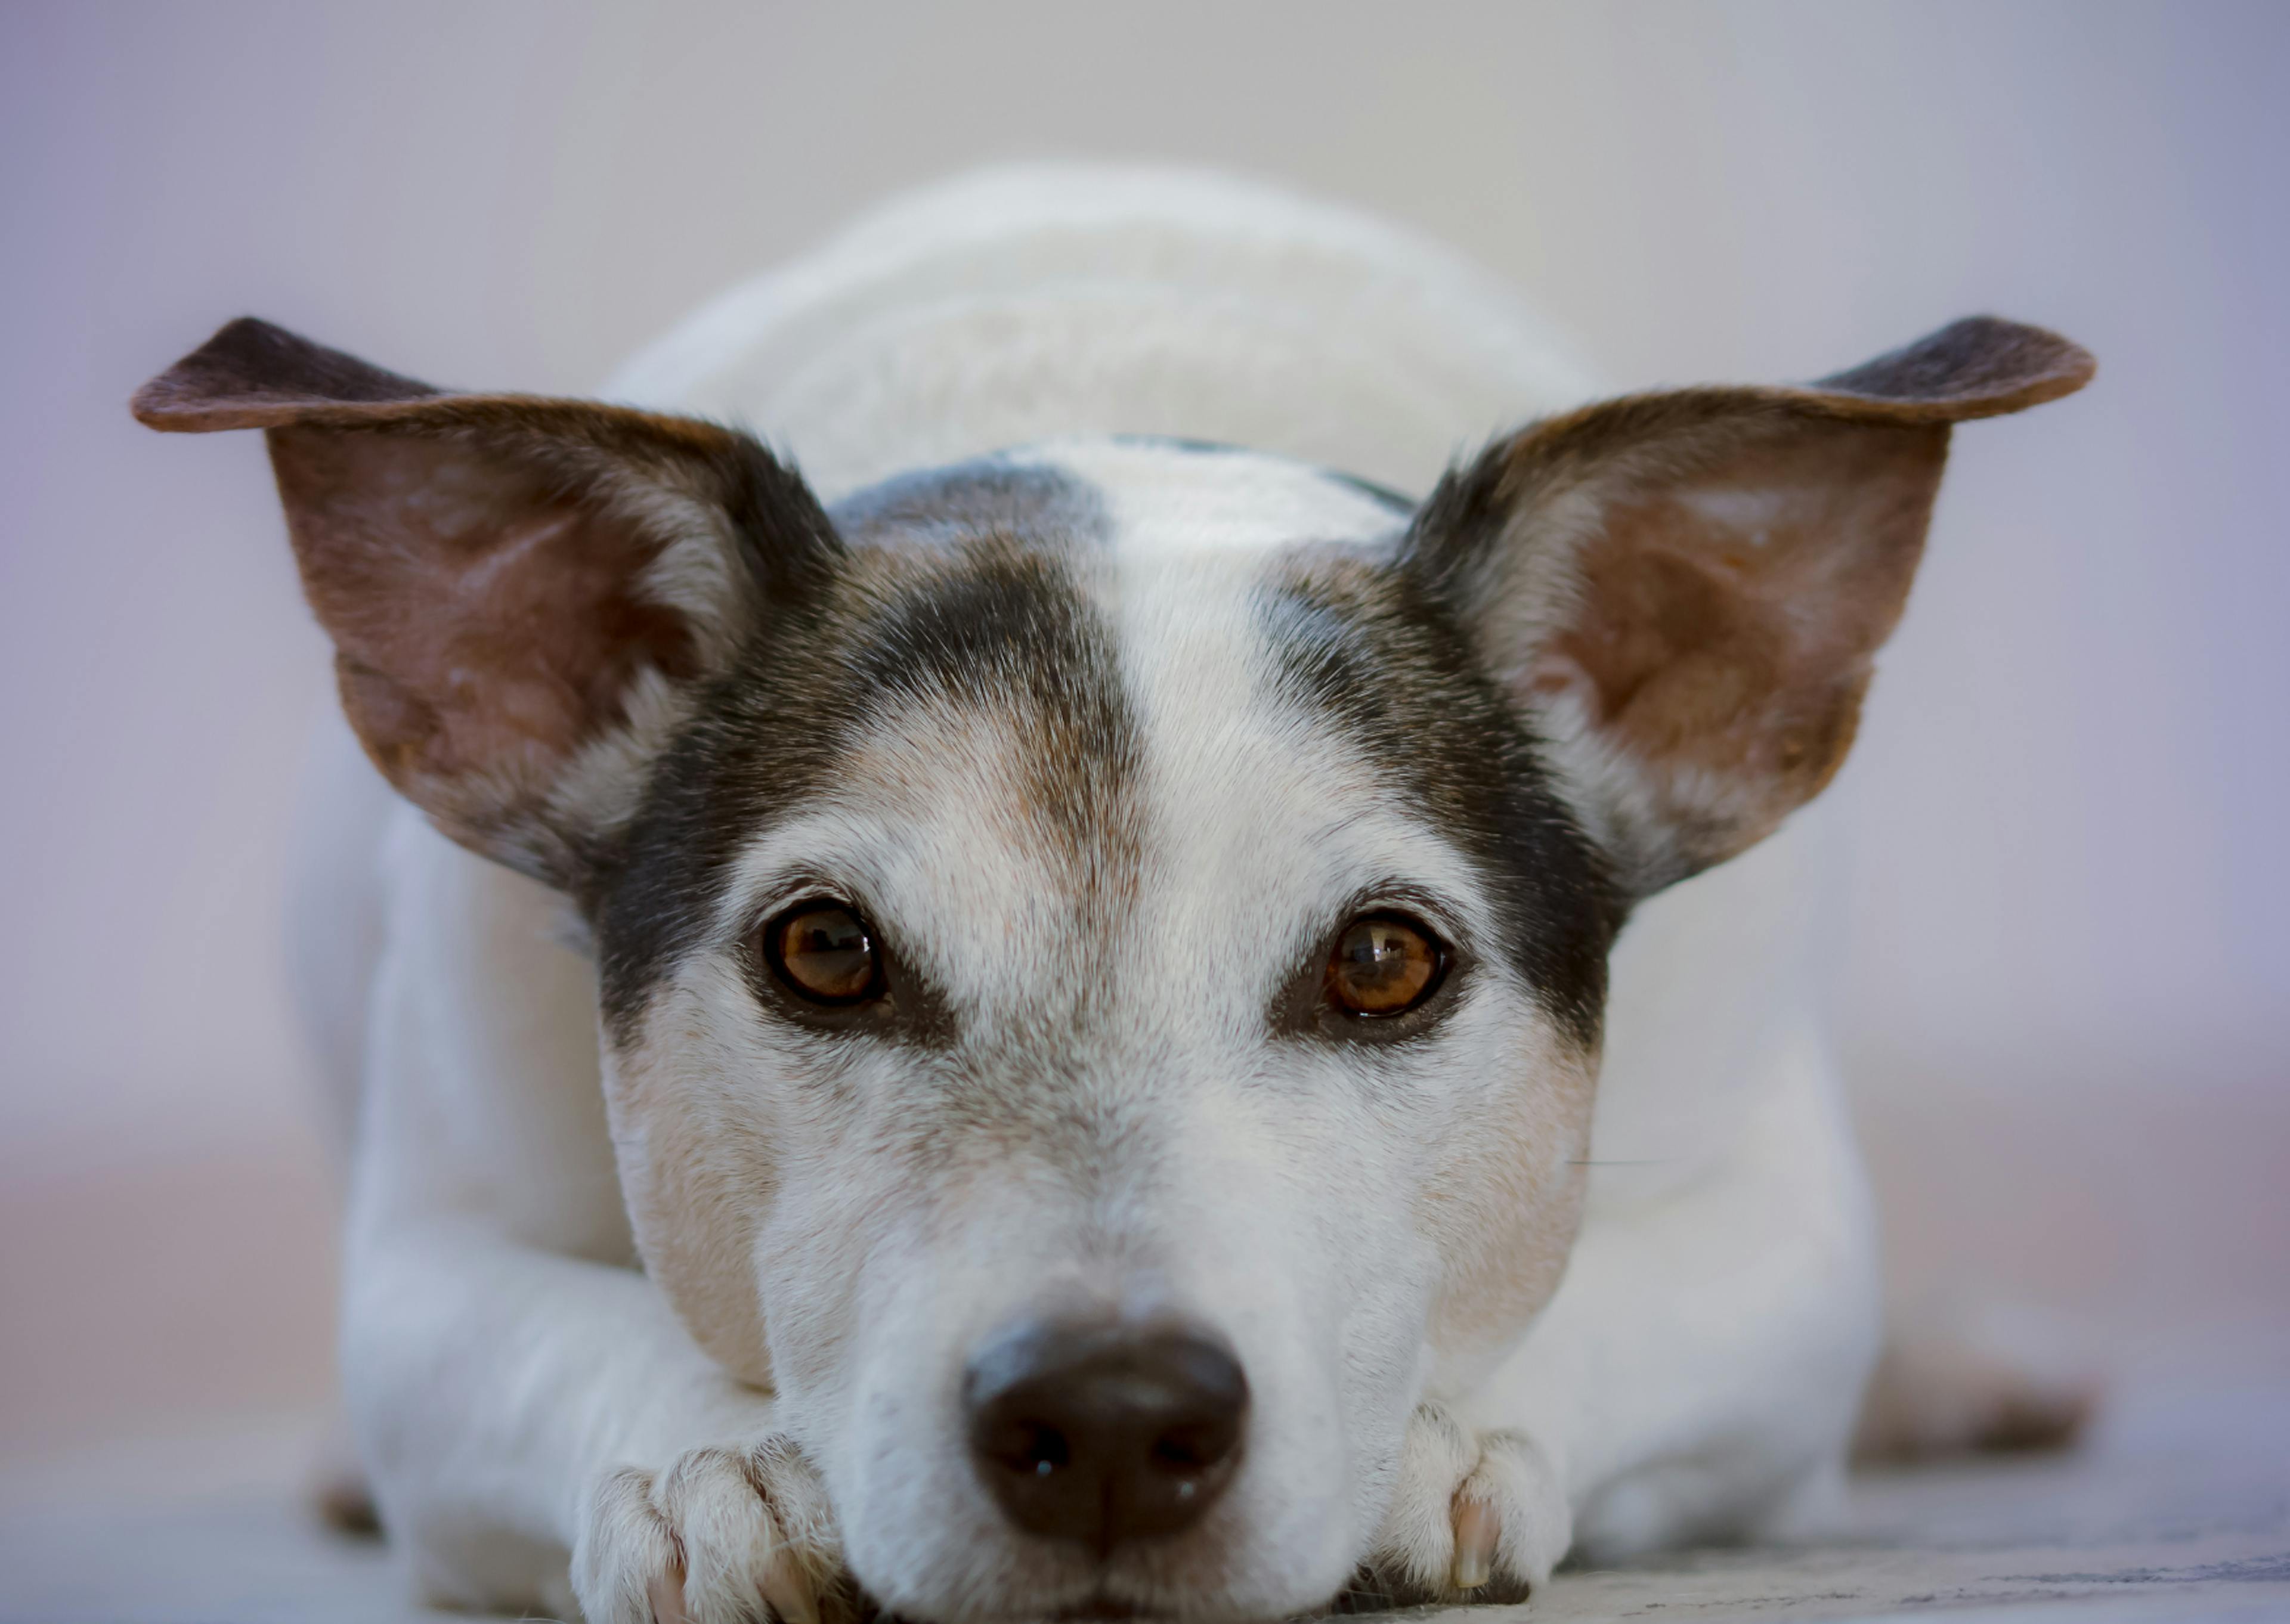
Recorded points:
(1014, 1028)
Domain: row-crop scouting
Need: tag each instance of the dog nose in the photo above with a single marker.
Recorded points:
(1101, 1434)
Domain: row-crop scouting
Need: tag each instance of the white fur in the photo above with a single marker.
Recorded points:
(1696, 1373)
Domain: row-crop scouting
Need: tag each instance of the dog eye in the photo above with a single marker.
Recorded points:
(1383, 965)
(824, 953)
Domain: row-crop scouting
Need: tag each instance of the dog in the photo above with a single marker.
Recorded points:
(1082, 1010)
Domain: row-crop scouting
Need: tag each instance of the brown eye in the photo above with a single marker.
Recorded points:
(1383, 965)
(824, 952)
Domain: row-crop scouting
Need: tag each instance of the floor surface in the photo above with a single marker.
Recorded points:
(2179, 1508)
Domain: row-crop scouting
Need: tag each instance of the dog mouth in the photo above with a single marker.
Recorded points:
(1363, 1593)
(1103, 1603)
(1099, 1605)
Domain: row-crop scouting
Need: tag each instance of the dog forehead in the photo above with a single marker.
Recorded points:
(1167, 496)
(1082, 752)
(1091, 642)
(1088, 694)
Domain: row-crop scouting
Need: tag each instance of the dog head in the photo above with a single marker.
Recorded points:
(1102, 949)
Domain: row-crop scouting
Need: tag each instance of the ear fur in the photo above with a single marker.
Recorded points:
(1685, 591)
(523, 592)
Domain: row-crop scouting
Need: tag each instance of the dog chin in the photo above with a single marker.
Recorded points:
(1109, 1602)
(1120, 1592)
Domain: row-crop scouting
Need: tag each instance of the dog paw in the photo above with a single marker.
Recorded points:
(740, 1535)
(1476, 1516)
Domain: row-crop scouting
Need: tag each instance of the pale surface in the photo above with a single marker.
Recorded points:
(2180, 1508)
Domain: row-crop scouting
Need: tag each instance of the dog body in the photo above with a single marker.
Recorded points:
(663, 1259)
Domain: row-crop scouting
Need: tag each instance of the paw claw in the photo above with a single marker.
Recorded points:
(666, 1594)
(1476, 1527)
(789, 1593)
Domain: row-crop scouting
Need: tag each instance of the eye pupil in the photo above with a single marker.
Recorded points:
(1381, 965)
(823, 952)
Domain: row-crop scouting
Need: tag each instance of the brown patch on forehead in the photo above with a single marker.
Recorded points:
(993, 629)
(1356, 642)
(1001, 630)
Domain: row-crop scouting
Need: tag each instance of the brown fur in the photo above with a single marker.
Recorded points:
(1744, 656)
(1940, 1393)
(1710, 571)
(484, 563)
(481, 623)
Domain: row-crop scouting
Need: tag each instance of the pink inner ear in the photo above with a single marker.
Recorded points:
(485, 624)
(1726, 621)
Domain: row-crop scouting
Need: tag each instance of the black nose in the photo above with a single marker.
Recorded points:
(1100, 1433)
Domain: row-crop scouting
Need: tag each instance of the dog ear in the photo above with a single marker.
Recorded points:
(522, 593)
(1685, 591)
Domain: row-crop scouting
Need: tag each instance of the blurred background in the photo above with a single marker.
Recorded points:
(2067, 998)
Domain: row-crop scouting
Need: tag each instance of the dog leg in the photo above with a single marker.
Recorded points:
(503, 1360)
(1701, 1366)
(524, 1414)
